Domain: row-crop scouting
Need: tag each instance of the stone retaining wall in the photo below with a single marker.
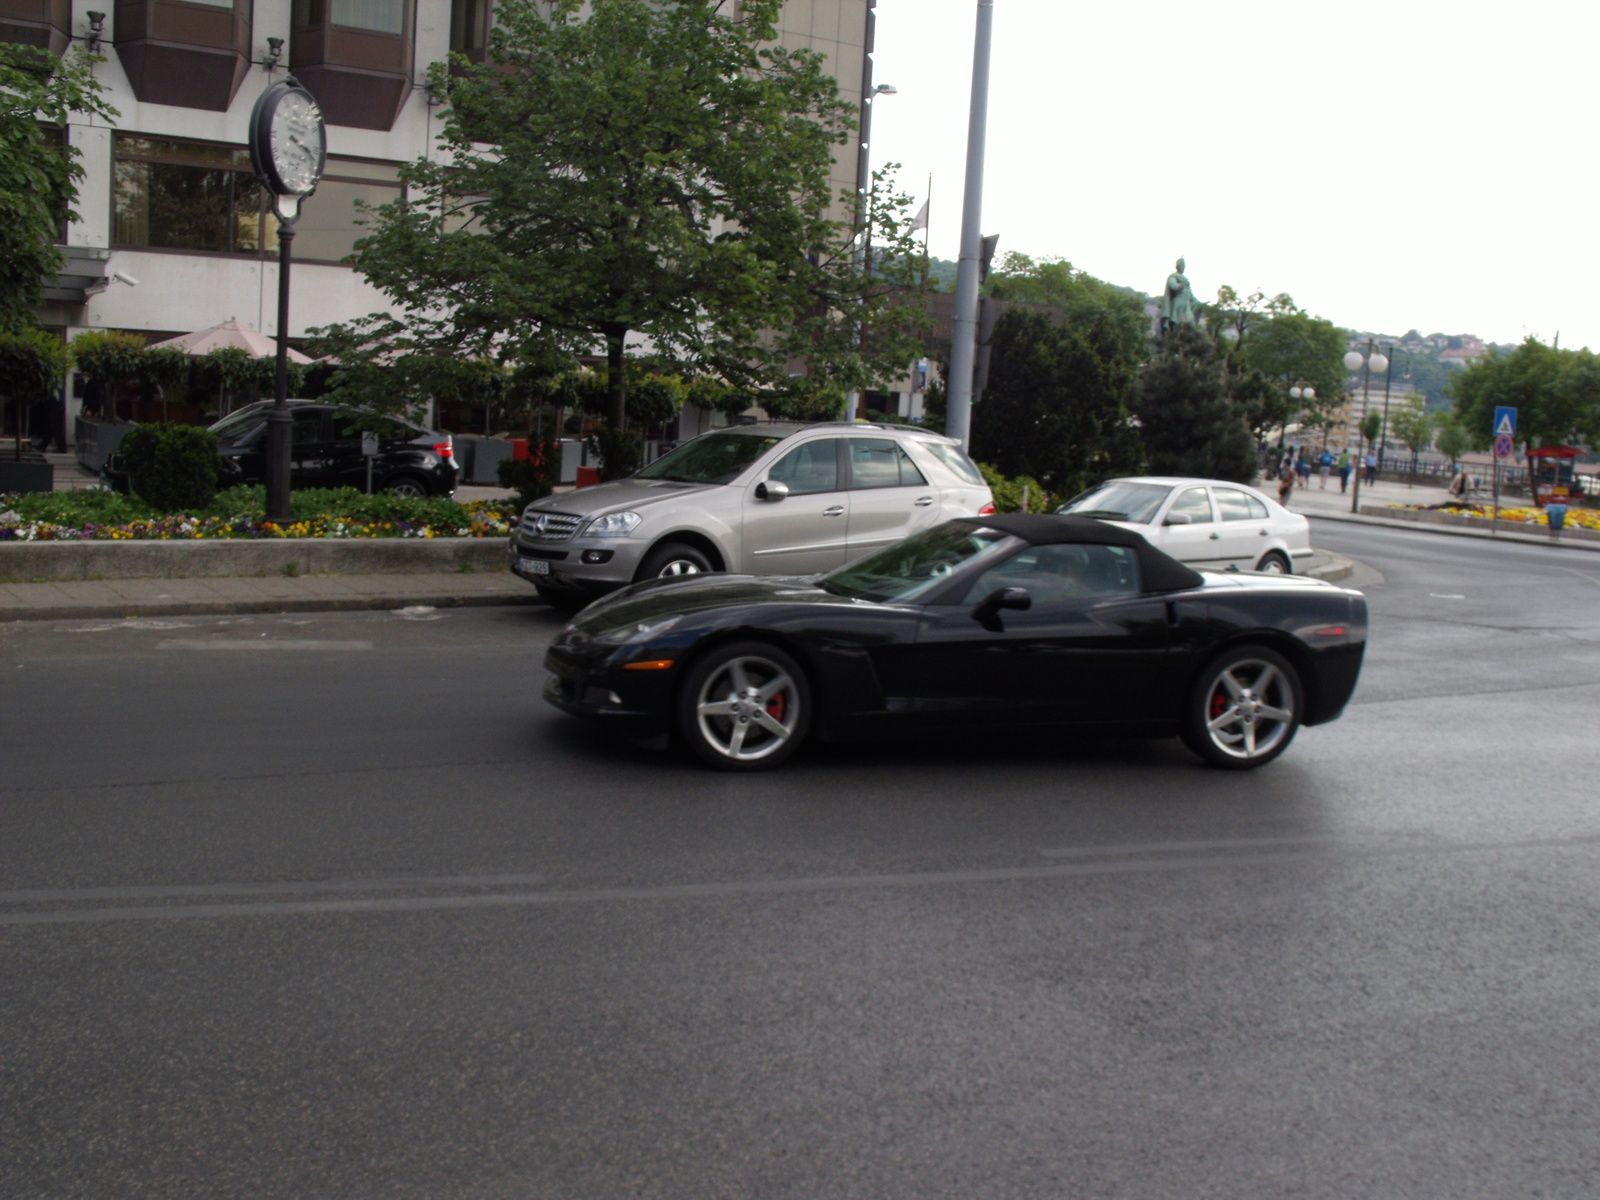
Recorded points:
(26, 562)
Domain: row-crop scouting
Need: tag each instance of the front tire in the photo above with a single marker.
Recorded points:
(670, 560)
(745, 706)
(1243, 709)
(1275, 562)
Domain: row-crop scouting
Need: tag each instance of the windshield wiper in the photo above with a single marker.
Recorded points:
(1109, 513)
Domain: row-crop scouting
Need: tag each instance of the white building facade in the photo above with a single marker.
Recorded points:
(169, 200)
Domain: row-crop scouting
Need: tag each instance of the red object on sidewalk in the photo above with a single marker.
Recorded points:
(519, 449)
(588, 476)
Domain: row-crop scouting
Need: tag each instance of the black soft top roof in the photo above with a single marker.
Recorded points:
(1158, 572)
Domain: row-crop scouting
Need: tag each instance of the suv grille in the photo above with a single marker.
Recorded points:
(549, 526)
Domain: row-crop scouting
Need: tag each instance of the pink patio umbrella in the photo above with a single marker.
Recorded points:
(229, 334)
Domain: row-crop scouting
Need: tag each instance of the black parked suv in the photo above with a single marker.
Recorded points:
(326, 452)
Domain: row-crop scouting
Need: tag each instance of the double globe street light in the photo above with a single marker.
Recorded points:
(1372, 360)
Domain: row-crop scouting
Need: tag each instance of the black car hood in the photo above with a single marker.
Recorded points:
(653, 599)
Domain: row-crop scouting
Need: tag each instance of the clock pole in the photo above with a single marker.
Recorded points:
(288, 148)
(280, 428)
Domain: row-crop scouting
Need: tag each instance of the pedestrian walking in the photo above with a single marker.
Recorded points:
(1285, 481)
(1324, 467)
(1372, 467)
(1344, 470)
(1303, 466)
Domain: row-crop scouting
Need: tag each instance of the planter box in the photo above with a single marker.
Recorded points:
(1483, 524)
(22, 562)
(32, 474)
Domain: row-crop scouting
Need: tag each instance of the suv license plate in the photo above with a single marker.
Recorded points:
(534, 566)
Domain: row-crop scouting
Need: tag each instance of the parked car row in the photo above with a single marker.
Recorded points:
(326, 452)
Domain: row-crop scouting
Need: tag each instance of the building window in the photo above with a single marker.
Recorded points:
(327, 230)
(469, 27)
(174, 195)
(381, 16)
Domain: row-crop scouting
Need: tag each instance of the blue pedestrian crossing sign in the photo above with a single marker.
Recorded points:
(1505, 422)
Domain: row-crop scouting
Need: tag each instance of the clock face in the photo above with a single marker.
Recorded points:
(296, 142)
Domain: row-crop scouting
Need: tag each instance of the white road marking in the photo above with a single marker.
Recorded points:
(262, 644)
(1445, 596)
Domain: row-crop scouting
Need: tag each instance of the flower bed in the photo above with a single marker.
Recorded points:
(240, 512)
(1579, 518)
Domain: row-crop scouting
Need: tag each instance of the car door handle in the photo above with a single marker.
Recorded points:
(1214, 537)
(1262, 532)
(836, 511)
(924, 501)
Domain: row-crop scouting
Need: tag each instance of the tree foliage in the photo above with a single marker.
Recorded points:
(1556, 394)
(172, 468)
(1054, 408)
(39, 174)
(1292, 348)
(33, 364)
(1084, 300)
(616, 171)
(1414, 425)
(1188, 424)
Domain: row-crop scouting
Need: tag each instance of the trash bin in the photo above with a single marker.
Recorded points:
(1558, 516)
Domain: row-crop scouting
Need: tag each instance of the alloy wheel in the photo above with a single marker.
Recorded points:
(679, 566)
(748, 708)
(1249, 709)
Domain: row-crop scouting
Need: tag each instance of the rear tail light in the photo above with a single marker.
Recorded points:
(445, 448)
(986, 511)
(1332, 631)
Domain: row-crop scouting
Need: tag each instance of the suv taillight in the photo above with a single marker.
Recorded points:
(444, 449)
(986, 511)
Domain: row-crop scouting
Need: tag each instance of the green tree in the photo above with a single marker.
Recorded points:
(109, 357)
(32, 365)
(1452, 439)
(1413, 424)
(39, 175)
(617, 170)
(1053, 409)
(1187, 423)
(1371, 428)
(1556, 394)
(1084, 301)
(1293, 347)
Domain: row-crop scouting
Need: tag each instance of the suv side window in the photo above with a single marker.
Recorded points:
(1195, 504)
(882, 463)
(808, 469)
(307, 427)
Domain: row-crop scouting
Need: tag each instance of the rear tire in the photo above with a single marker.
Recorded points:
(671, 560)
(1275, 562)
(745, 706)
(1243, 708)
(407, 487)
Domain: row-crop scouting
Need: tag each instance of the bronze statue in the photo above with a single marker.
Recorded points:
(1178, 305)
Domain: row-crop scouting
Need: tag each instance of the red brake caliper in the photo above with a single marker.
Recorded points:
(777, 706)
(1219, 704)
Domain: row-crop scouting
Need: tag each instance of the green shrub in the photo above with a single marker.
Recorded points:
(620, 451)
(532, 479)
(1008, 493)
(173, 468)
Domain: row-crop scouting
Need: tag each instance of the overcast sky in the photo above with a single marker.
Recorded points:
(1390, 166)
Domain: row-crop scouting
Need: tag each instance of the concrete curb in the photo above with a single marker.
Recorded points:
(213, 608)
(39, 562)
(1559, 543)
(1336, 567)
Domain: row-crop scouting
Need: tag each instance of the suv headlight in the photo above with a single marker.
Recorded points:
(619, 524)
(632, 634)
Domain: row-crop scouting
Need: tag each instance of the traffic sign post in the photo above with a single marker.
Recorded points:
(1505, 433)
(1502, 446)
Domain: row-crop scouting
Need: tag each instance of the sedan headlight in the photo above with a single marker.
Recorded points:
(632, 634)
(619, 524)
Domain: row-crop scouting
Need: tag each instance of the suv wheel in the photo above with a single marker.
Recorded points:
(672, 559)
(407, 487)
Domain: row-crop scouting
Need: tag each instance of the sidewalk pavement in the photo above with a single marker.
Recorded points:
(75, 599)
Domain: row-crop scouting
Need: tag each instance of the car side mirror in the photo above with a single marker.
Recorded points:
(988, 610)
(1178, 519)
(771, 489)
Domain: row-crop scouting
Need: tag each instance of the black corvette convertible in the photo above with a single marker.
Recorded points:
(1004, 620)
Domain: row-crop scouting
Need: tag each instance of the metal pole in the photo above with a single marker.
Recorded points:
(1388, 378)
(1361, 462)
(964, 342)
(280, 428)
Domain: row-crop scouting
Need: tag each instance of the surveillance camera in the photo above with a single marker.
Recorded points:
(124, 277)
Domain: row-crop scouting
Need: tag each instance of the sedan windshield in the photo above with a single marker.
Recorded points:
(713, 458)
(1120, 500)
(907, 569)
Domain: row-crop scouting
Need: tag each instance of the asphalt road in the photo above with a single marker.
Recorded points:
(334, 906)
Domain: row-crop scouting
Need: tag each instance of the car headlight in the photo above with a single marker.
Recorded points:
(634, 633)
(619, 524)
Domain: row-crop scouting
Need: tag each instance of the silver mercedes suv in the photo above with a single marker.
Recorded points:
(753, 499)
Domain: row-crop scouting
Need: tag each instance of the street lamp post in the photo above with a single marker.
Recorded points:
(1372, 360)
(964, 339)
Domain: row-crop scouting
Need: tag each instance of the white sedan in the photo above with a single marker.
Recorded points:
(1208, 523)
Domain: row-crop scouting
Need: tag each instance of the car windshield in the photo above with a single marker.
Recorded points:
(246, 418)
(1120, 500)
(713, 458)
(910, 568)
